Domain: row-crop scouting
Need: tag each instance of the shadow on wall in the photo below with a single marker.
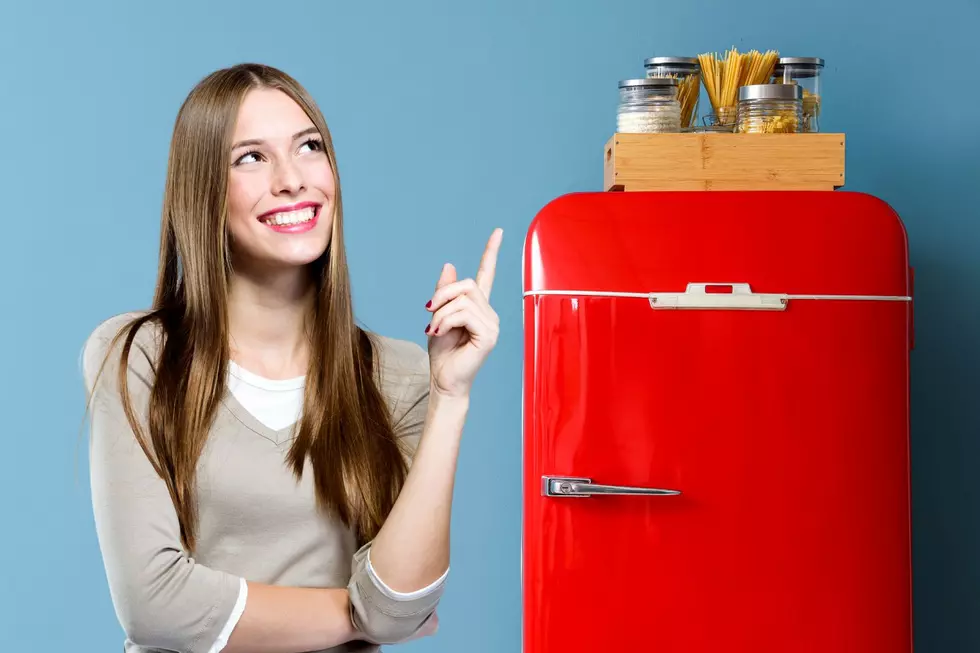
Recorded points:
(930, 191)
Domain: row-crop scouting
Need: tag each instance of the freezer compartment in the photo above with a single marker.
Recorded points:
(798, 243)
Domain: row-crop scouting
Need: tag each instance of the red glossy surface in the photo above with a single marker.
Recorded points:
(792, 242)
(787, 432)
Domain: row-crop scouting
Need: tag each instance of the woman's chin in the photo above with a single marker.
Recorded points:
(297, 251)
(294, 260)
(274, 263)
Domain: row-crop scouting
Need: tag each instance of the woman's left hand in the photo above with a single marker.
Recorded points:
(464, 328)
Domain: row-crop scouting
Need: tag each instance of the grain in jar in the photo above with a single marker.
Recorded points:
(648, 105)
(687, 71)
(769, 109)
(807, 73)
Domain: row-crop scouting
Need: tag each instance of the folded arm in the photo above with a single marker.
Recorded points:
(399, 577)
(164, 598)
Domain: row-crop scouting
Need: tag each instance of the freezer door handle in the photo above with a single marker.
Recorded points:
(724, 296)
(566, 486)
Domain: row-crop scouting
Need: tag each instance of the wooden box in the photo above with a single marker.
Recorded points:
(721, 161)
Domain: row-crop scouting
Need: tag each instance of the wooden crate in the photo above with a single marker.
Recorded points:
(723, 161)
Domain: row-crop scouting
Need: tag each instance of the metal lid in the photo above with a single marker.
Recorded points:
(683, 61)
(770, 92)
(801, 61)
(648, 82)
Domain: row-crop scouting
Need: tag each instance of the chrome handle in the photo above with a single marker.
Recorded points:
(565, 486)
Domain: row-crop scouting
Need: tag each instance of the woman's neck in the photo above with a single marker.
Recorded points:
(267, 321)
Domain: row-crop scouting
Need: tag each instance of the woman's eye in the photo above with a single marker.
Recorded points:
(314, 144)
(248, 157)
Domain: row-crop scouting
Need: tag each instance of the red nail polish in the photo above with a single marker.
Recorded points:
(427, 327)
(428, 304)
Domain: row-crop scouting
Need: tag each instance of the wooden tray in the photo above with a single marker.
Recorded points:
(724, 161)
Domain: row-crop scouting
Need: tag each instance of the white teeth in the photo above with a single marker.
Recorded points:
(291, 217)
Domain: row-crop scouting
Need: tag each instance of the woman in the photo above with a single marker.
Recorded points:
(266, 476)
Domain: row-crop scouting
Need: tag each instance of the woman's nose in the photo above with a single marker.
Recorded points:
(288, 180)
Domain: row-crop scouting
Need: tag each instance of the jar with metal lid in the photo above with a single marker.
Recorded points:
(769, 109)
(648, 105)
(806, 72)
(687, 71)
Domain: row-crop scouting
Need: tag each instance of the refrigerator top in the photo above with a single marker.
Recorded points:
(798, 243)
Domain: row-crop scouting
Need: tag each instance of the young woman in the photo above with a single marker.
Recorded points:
(267, 476)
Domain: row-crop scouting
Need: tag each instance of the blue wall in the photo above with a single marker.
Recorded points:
(450, 118)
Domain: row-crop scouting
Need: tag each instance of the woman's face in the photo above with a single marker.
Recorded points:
(280, 187)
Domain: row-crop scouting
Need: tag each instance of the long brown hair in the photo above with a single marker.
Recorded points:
(345, 432)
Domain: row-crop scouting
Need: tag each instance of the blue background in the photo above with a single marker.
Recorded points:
(449, 118)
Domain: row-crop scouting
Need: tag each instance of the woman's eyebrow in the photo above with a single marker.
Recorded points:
(259, 141)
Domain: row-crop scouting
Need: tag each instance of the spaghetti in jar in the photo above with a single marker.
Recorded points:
(687, 72)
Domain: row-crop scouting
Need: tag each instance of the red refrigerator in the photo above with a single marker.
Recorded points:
(716, 424)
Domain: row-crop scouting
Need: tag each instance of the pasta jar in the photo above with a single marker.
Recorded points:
(769, 109)
(806, 72)
(648, 106)
(687, 71)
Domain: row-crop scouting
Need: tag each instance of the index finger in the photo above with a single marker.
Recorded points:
(488, 263)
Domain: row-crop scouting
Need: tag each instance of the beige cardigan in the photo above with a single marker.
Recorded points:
(256, 521)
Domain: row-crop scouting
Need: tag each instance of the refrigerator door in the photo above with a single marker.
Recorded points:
(716, 424)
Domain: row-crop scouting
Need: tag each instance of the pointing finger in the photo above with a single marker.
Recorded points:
(488, 263)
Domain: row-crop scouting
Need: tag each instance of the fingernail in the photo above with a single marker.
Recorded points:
(427, 327)
(428, 304)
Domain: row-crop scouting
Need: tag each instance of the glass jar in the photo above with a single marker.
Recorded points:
(648, 106)
(770, 109)
(712, 125)
(806, 72)
(725, 116)
(687, 71)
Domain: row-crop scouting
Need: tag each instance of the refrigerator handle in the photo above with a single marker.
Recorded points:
(566, 486)
(730, 296)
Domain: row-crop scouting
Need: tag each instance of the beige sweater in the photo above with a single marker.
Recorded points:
(256, 521)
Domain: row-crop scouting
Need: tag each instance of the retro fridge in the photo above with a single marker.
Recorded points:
(716, 424)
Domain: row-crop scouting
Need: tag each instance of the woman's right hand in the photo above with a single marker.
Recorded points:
(464, 327)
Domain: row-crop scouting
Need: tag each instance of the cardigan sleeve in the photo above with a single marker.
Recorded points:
(383, 615)
(163, 598)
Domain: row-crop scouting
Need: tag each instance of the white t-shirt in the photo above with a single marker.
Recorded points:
(275, 403)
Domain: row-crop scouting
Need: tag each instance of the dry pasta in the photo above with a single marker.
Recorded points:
(723, 77)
